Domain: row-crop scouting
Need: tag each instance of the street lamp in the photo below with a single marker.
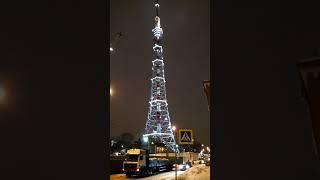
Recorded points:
(173, 128)
(175, 134)
(145, 139)
(111, 92)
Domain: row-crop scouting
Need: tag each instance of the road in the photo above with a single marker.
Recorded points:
(199, 172)
(161, 176)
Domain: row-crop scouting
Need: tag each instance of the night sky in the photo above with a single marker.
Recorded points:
(186, 42)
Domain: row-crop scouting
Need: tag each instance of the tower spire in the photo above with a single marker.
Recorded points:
(158, 125)
(157, 7)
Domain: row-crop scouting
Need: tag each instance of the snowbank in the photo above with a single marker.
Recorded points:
(117, 176)
(200, 172)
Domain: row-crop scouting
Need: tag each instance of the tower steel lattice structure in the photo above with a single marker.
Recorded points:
(158, 125)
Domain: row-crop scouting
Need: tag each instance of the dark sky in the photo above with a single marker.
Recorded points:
(186, 25)
(261, 126)
(54, 70)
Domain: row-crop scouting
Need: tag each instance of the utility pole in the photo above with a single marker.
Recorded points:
(176, 169)
(175, 152)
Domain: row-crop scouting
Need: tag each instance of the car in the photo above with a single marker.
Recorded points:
(207, 162)
(183, 167)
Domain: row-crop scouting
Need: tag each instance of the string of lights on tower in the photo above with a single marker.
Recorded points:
(158, 125)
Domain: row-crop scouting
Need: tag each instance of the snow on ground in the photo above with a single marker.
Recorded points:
(197, 172)
(117, 176)
(200, 172)
(161, 176)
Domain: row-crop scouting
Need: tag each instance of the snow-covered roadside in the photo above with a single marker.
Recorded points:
(200, 172)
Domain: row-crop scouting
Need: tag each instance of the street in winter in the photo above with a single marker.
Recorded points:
(159, 53)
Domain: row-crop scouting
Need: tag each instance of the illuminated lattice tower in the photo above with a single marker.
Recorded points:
(158, 126)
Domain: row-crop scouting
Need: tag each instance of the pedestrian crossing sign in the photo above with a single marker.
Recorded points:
(185, 136)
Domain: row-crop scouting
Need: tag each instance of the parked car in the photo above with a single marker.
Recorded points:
(181, 167)
(207, 162)
(184, 167)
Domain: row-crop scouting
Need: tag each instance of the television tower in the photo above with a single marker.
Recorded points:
(158, 126)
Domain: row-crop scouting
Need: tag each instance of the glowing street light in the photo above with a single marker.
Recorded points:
(111, 92)
(145, 139)
(173, 128)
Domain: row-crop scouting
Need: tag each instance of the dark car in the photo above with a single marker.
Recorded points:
(207, 162)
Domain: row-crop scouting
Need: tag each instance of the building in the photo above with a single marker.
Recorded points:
(310, 74)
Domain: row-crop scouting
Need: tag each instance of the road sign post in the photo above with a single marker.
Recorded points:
(176, 168)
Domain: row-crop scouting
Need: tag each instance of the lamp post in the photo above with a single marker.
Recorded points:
(175, 153)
